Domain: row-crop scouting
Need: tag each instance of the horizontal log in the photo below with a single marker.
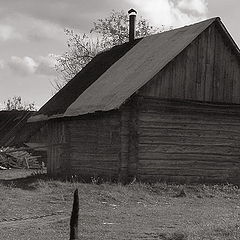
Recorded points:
(94, 157)
(197, 128)
(102, 165)
(93, 130)
(188, 106)
(188, 149)
(195, 164)
(86, 170)
(158, 132)
(183, 118)
(187, 172)
(160, 155)
(184, 179)
(100, 138)
(193, 125)
(144, 141)
(92, 161)
(84, 148)
(89, 120)
(190, 157)
(190, 117)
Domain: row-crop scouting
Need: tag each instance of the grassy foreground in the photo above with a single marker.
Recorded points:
(40, 208)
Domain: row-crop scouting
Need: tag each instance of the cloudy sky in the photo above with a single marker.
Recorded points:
(31, 34)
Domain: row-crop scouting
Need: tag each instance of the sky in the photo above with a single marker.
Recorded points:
(32, 34)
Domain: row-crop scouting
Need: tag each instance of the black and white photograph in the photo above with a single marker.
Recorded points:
(120, 120)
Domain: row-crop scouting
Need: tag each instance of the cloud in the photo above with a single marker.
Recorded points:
(40, 30)
(23, 27)
(1, 64)
(42, 65)
(8, 32)
(23, 66)
(172, 12)
(46, 65)
(198, 6)
(71, 14)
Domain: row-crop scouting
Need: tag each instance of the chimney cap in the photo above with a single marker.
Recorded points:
(132, 12)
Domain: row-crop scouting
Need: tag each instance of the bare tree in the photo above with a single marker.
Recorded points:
(81, 50)
(16, 103)
(106, 33)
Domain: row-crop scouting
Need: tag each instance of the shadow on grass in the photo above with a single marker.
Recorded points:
(29, 182)
(25, 183)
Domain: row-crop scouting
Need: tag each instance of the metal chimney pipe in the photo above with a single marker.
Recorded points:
(132, 24)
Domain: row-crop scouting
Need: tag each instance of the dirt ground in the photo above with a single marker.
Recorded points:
(36, 207)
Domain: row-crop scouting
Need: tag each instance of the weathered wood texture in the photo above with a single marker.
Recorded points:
(188, 140)
(95, 145)
(129, 140)
(125, 143)
(57, 153)
(40, 135)
(207, 70)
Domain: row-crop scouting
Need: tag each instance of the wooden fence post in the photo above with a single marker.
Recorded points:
(74, 217)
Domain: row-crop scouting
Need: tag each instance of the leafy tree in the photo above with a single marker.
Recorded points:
(106, 33)
(15, 103)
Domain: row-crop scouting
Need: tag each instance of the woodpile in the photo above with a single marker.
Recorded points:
(18, 158)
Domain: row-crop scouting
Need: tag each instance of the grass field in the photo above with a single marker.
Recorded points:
(36, 207)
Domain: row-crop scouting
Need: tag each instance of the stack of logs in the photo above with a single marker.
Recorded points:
(18, 158)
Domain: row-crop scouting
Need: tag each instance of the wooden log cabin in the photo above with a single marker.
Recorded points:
(164, 107)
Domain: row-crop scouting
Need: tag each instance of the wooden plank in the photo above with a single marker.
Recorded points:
(235, 76)
(182, 140)
(202, 59)
(125, 142)
(186, 151)
(213, 109)
(178, 143)
(188, 118)
(153, 145)
(217, 158)
(133, 147)
(95, 144)
(194, 162)
(94, 157)
(102, 165)
(94, 171)
(187, 133)
(201, 72)
(190, 156)
(200, 126)
(90, 149)
(186, 172)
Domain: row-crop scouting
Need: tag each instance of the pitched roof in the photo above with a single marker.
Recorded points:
(129, 71)
(59, 103)
(134, 70)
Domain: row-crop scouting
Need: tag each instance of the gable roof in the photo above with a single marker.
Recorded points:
(59, 103)
(134, 68)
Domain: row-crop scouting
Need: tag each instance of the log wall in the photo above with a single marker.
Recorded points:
(95, 145)
(40, 135)
(188, 141)
(129, 141)
(207, 70)
(57, 163)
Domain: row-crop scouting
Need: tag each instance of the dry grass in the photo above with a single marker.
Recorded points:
(39, 208)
